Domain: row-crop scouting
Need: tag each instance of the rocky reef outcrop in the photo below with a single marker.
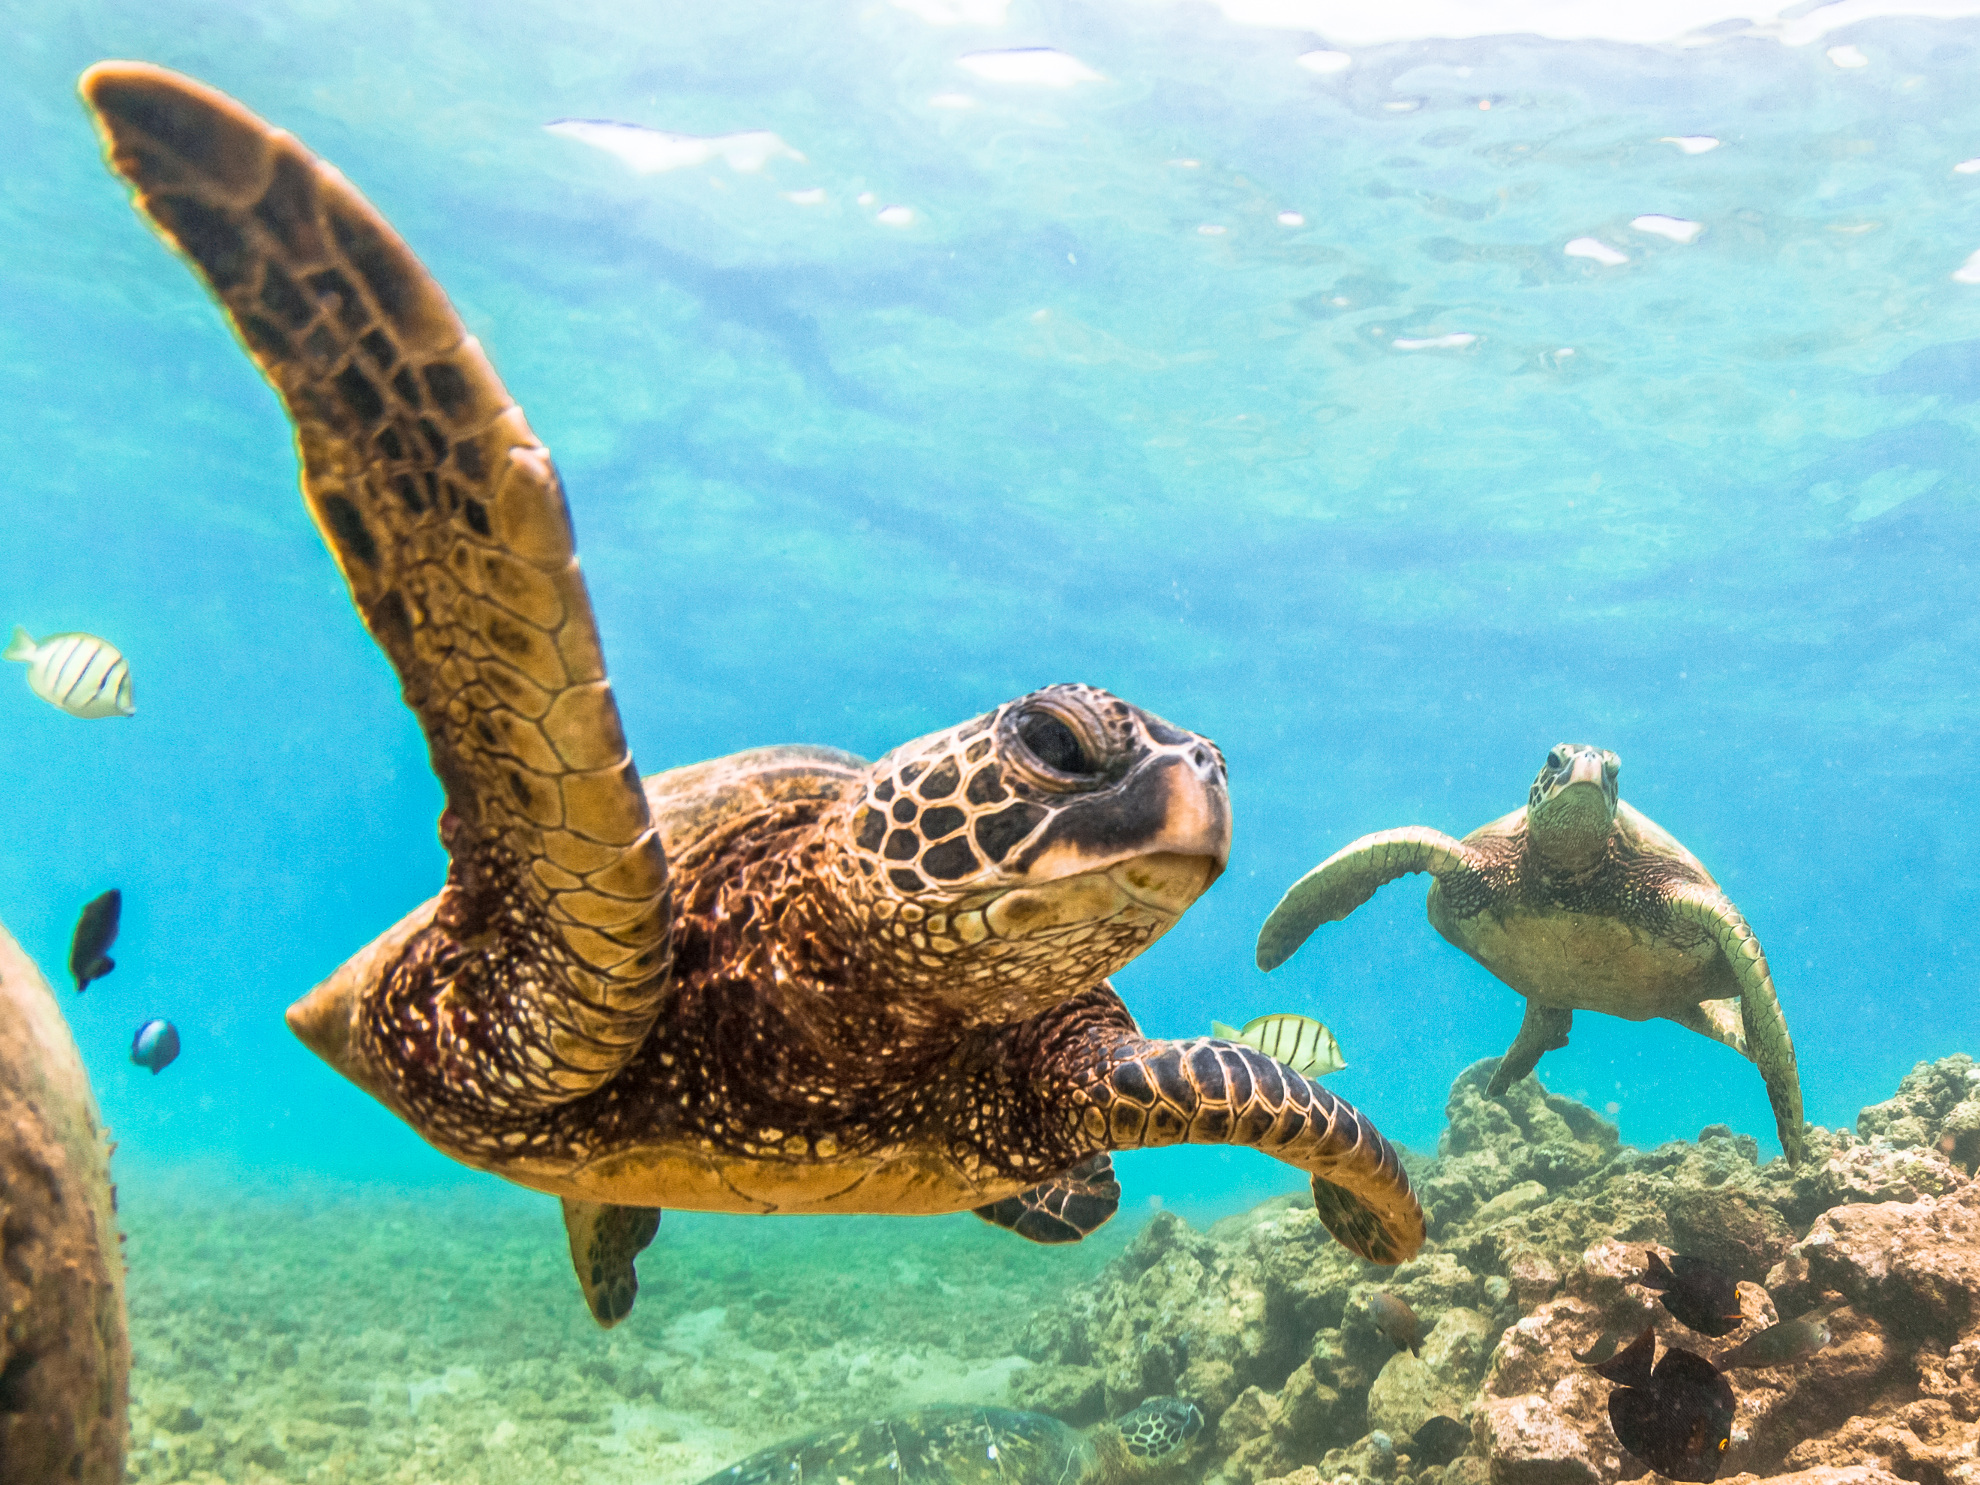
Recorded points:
(1538, 1220)
(64, 1353)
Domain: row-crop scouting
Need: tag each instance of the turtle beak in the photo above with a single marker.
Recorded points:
(1587, 770)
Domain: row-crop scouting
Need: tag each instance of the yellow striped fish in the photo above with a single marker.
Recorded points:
(1301, 1042)
(83, 675)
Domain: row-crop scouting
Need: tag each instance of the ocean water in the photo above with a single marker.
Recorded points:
(1346, 411)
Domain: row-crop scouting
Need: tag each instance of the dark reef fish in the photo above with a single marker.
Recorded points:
(1439, 1439)
(1676, 1418)
(1777, 1345)
(1698, 1292)
(96, 931)
(155, 1046)
(1397, 1321)
(1603, 1347)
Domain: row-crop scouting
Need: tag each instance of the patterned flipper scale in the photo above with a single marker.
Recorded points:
(604, 1241)
(1063, 1210)
(449, 524)
(1147, 1094)
(1348, 878)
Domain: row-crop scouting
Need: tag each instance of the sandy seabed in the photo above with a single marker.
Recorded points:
(367, 1340)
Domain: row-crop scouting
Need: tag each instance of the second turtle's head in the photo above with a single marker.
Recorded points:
(1572, 804)
(1023, 856)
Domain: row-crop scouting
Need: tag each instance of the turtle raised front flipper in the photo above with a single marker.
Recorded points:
(448, 522)
(604, 1242)
(1767, 1042)
(1062, 1210)
(1348, 878)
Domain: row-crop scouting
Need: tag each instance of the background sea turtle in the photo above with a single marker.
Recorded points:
(65, 1358)
(786, 981)
(982, 1446)
(1579, 902)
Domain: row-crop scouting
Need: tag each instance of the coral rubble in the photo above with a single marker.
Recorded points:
(1539, 1220)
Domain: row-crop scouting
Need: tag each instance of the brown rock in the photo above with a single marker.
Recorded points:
(1915, 1265)
(63, 1348)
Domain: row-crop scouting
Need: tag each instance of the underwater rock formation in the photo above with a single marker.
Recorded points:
(1539, 1222)
(64, 1356)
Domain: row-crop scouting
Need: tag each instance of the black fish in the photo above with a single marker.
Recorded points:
(1439, 1440)
(1603, 1348)
(1777, 1345)
(1397, 1321)
(1676, 1418)
(96, 931)
(1699, 1293)
(156, 1046)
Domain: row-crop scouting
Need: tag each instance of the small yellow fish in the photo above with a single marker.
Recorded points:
(85, 676)
(1301, 1042)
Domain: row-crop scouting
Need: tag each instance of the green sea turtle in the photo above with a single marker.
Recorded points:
(982, 1446)
(65, 1357)
(1579, 902)
(785, 981)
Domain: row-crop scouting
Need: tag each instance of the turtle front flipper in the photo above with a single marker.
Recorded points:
(1544, 1029)
(1062, 1210)
(1767, 1040)
(546, 962)
(604, 1242)
(1142, 1094)
(1348, 878)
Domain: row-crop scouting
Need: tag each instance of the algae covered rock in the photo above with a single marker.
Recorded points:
(64, 1353)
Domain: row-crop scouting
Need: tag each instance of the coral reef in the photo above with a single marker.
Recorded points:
(335, 1340)
(1539, 1219)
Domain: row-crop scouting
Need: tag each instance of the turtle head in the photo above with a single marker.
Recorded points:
(1158, 1433)
(1572, 805)
(1009, 863)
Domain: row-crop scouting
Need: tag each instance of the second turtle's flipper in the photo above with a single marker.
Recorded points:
(1543, 1030)
(1767, 1040)
(1145, 1094)
(1063, 1210)
(604, 1242)
(1347, 879)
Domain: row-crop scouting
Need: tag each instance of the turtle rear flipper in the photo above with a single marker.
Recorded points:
(1543, 1029)
(1348, 878)
(605, 1240)
(447, 520)
(1062, 1210)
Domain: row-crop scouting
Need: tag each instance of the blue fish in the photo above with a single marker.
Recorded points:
(155, 1046)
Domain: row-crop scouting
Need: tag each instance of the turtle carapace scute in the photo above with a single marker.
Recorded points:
(784, 981)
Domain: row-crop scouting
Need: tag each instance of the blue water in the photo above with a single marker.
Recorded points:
(842, 482)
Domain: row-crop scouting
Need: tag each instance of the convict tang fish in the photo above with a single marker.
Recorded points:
(1300, 1042)
(85, 676)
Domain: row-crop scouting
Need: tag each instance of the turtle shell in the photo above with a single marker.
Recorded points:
(929, 1446)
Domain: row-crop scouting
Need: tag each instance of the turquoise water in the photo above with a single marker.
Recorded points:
(1094, 411)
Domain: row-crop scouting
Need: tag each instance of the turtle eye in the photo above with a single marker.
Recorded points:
(1054, 744)
(1556, 758)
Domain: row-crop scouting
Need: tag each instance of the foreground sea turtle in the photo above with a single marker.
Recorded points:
(1579, 902)
(786, 981)
(982, 1446)
(65, 1357)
